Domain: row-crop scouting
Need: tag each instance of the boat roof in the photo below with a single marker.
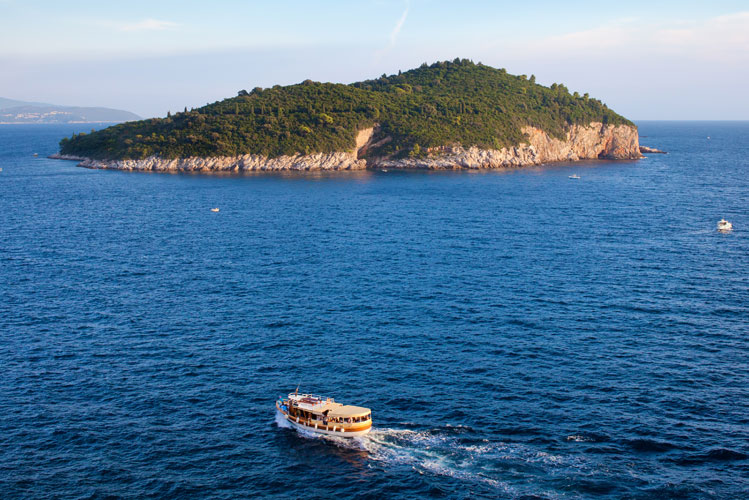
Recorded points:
(320, 405)
(349, 411)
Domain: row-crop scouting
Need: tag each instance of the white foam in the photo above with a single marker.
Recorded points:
(578, 438)
(432, 452)
(282, 422)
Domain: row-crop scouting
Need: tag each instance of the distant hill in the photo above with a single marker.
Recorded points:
(450, 102)
(12, 103)
(13, 111)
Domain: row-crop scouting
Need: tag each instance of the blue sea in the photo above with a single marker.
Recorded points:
(517, 334)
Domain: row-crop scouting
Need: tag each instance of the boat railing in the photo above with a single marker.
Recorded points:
(313, 397)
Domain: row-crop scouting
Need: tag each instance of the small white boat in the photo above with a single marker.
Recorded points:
(384, 170)
(214, 210)
(322, 415)
(724, 226)
(36, 154)
(574, 176)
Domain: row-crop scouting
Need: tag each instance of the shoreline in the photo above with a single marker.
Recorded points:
(58, 123)
(583, 162)
(594, 141)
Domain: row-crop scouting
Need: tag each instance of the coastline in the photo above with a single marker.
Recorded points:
(62, 123)
(593, 141)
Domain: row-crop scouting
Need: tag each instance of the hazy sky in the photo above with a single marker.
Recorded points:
(645, 59)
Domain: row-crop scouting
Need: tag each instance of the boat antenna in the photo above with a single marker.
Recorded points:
(296, 393)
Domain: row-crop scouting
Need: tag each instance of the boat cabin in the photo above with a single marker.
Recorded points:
(320, 413)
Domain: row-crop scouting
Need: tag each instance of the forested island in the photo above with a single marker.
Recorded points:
(450, 114)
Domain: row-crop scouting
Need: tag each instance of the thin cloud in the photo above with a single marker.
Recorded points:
(723, 37)
(398, 26)
(393, 38)
(149, 25)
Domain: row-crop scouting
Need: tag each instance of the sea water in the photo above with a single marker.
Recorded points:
(517, 334)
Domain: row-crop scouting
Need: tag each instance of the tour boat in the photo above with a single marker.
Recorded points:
(724, 225)
(312, 413)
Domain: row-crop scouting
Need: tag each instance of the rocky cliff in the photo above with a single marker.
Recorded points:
(582, 142)
(595, 140)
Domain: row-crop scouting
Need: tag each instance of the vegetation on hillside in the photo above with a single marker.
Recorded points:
(447, 103)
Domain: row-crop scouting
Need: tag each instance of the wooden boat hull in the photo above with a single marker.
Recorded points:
(329, 430)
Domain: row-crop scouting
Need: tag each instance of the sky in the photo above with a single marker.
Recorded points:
(669, 60)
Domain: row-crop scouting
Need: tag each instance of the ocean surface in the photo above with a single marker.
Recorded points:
(517, 334)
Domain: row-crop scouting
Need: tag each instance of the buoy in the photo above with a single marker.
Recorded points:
(214, 210)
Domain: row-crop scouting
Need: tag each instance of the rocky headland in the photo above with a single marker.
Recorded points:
(646, 149)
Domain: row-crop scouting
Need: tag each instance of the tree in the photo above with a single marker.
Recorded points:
(325, 119)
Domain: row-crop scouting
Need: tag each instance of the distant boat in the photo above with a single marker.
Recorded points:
(322, 415)
(574, 176)
(214, 210)
(724, 226)
(36, 154)
(384, 170)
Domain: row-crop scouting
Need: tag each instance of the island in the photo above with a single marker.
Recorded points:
(448, 115)
(13, 112)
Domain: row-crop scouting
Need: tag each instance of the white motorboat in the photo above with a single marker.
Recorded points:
(724, 226)
(574, 176)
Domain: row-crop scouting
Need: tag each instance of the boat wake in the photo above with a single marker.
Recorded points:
(454, 452)
(433, 452)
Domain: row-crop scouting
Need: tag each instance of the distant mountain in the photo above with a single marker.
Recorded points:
(13, 111)
(12, 103)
